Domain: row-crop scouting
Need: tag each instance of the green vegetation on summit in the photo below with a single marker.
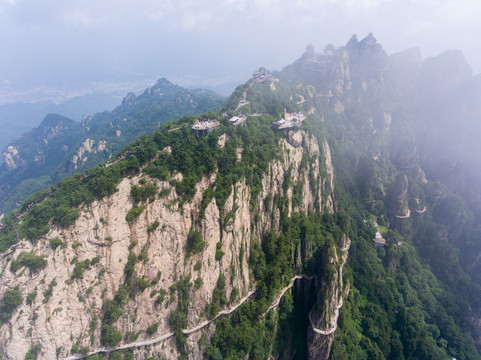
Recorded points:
(411, 294)
(61, 146)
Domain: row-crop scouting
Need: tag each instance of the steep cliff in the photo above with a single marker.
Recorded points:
(61, 146)
(324, 315)
(399, 129)
(303, 221)
(47, 143)
(101, 254)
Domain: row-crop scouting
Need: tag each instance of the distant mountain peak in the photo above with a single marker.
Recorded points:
(161, 87)
(164, 82)
(353, 42)
(54, 119)
(129, 99)
(367, 47)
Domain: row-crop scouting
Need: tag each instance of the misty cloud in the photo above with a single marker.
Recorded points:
(70, 41)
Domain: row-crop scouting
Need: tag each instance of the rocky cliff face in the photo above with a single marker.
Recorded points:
(81, 156)
(68, 304)
(12, 158)
(55, 135)
(254, 187)
(129, 99)
(325, 313)
(61, 146)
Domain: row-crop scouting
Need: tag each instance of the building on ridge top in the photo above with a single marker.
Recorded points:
(204, 126)
(261, 75)
(238, 120)
(290, 121)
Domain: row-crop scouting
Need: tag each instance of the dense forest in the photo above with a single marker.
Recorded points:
(413, 295)
(60, 146)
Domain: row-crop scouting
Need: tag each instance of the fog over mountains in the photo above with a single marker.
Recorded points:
(330, 210)
(76, 44)
(240, 179)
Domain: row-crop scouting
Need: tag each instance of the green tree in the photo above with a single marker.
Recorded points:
(11, 299)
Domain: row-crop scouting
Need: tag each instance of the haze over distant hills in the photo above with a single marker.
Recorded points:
(20, 117)
(330, 210)
(22, 109)
(65, 145)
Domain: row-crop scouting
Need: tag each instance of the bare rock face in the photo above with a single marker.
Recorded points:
(339, 107)
(401, 187)
(129, 99)
(329, 180)
(475, 327)
(399, 203)
(67, 308)
(294, 138)
(12, 158)
(87, 147)
(324, 315)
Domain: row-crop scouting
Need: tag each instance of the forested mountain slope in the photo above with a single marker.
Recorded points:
(403, 133)
(316, 226)
(60, 146)
(16, 118)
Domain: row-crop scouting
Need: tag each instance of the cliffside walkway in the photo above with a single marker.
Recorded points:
(338, 307)
(113, 161)
(205, 323)
(164, 336)
(331, 330)
(196, 328)
(404, 216)
(279, 296)
(422, 211)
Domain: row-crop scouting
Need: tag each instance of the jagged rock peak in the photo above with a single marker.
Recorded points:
(366, 47)
(369, 40)
(352, 43)
(160, 87)
(310, 49)
(129, 99)
(163, 82)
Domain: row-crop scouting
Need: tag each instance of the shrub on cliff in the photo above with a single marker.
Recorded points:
(134, 214)
(195, 243)
(11, 299)
(30, 260)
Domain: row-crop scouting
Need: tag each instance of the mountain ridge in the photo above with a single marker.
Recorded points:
(180, 226)
(95, 139)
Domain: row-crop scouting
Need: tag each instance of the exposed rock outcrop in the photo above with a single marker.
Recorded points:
(129, 99)
(325, 313)
(12, 158)
(87, 147)
(72, 312)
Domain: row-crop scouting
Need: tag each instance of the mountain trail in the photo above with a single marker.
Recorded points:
(201, 325)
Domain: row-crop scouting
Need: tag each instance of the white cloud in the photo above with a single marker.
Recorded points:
(9, 2)
(240, 26)
(5, 4)
(157, 11)
(78, 17)
(352, 7)
(196, 20)
(418, 27)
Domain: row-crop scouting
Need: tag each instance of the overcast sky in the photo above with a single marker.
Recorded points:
(71, 42)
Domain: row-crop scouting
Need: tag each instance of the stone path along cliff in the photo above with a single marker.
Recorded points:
(404, 216)
(205, 323)
(338, 307)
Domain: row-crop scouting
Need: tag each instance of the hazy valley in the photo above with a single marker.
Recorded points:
(330, 210)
